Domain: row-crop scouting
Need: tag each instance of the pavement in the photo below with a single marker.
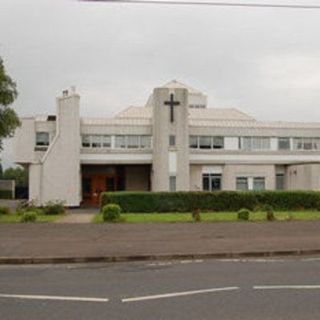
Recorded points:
(76, 242)
(244, 289)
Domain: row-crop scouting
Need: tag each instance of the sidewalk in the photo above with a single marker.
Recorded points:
(35, 243)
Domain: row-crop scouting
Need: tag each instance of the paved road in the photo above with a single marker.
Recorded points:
(212, 289)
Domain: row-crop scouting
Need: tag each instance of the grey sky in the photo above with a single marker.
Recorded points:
(263, 61)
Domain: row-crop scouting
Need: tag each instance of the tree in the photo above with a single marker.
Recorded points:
(9, 120)
(18, 174)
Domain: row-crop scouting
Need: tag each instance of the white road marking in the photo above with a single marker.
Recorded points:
(283, 287)
(179, 294)
(61, 298)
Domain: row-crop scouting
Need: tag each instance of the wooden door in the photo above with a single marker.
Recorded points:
(98, 186)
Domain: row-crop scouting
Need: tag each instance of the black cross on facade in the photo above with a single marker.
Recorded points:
(172, 103)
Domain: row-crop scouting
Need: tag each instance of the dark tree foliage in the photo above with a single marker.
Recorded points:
(19, 174)
(9, 120)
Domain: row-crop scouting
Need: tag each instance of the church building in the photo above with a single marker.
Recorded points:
(173, 143)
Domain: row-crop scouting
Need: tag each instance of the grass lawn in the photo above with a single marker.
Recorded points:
(15, 218)
(211, 216)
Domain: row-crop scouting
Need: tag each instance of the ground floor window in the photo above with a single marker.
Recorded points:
(242, 183)
(250, 183)
(172, 183)
(279, 181)
(211, 182)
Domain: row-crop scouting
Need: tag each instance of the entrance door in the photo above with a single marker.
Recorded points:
(98, 186)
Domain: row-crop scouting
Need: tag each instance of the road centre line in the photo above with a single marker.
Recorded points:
(178, 294)
(60, 298)
(288, 287)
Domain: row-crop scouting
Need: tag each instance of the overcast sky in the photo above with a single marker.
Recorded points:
(264, 61)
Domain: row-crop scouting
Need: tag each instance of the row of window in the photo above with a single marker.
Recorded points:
(213, 182)
(195, 142)
(120, 141)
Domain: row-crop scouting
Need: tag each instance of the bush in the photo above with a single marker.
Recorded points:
(211, 201)
(53, 208)
(29, 216)
(4, 210)
(269, 211)
(196, 215)
(111, 212)
(243, 214)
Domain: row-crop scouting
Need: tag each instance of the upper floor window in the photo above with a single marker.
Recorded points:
(284, 143)
(255, 143)
(172, 140)
(96, 141)
(206, 142)
(42, 139)
(133, 142)
(306, 143)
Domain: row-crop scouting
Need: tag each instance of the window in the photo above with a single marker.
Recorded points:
(172, 183)
(211, 182)
(218, 143)
(255, 143)
(259, 183)
(42, 139)
(86, 141)
(283, 143)
(120, 142)
(96, 141)
(145, 142)
(106, 141)
(193, 142)
(242, 183)
(279, 181)
(306, 144)
(133, 142)
(204, 142)
(172, 141)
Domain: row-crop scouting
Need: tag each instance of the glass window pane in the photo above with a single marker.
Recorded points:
(86, 141)
(307, 144)
(106, 141)
(280, 181)
(172, 140)
(297, 144)
(145, 142)
(193, 142)
(96, 141)
(120, 142)
(172, 183)
(205, 182)
(246, 143)
(284, 143)
(215, 182)
(242, 183)
(218, 142)
(133, 142)
(42, 138)
(259, 183)
(205, 142)
(316, 143)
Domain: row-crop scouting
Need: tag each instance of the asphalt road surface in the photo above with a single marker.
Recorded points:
(212, 289)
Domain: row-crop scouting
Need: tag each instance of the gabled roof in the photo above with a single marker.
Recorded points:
(176, 84)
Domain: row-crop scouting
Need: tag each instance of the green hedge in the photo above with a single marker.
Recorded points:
(5, 194)
(211, 201)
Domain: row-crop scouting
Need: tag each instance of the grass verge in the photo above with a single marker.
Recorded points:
(15, 218)
(211, 216)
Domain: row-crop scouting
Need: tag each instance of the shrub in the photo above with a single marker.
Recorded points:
(53, 208)
(4, 210)
(196, 215)
(29, 216)
(111, 212)
(243, 214)
(269, 211)
(211, 201)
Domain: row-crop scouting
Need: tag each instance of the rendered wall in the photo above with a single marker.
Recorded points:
(61, 164)
(303, 177)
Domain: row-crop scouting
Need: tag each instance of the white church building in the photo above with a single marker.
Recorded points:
(173, 143)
